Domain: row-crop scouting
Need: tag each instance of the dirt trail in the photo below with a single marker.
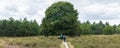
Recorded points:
(66, 45)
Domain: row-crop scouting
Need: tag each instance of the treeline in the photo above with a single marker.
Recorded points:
(24, 27)
(98, 28)
(20, 27)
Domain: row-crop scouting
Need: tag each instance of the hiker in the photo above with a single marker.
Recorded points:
(64, 38)
(61, 37)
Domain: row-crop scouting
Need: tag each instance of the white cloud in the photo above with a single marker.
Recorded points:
(100, 11)
(93, 10)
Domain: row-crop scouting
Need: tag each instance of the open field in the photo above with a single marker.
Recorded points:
(96, 41)
(30, 42)
(85, 41)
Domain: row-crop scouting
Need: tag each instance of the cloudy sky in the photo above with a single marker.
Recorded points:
(92, 10)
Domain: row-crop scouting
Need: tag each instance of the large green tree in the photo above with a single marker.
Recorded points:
(60, 17)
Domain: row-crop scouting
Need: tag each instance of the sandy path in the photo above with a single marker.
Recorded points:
(66, 45)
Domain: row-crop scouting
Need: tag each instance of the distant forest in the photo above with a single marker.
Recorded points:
(24, 27)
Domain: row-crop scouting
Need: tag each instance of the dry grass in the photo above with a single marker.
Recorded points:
(62, 45)
(70, 45)
(30, 42)
(96, 41)
(85, 41)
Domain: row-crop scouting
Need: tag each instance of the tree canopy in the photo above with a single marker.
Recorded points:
(60, 17)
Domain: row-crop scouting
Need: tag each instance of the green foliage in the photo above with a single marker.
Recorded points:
(118, 29)
(60, 17)
(97, 28)
(13, 27)
(85, 28)
(108, 30)
(115, 29)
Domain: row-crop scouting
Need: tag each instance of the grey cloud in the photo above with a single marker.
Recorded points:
(34, 6)
(32, 11)
(6, 13)
(12, 8)
(99, 16)
(104, 1)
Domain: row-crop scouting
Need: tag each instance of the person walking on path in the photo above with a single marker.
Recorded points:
(64, 38)
(61, 36)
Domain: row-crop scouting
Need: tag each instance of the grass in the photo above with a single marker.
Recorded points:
(96, 41)
(30, 42)
(85, 41)
(62, 45)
